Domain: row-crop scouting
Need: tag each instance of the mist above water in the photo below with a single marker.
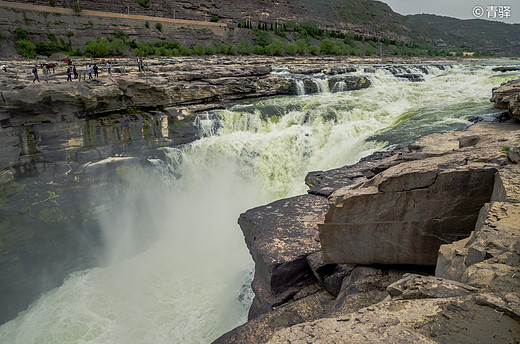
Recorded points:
(176, 267)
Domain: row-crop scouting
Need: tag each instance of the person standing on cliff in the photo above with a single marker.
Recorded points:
(35, 72)
(139, 63)
(69, 74)
(108, 69)
(75, 72)
(45, 71)
(96, 70)
(89, 72)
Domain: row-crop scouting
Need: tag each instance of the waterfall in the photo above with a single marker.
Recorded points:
(322, 84)
(339, 86)
(300, 87)
(191, 284)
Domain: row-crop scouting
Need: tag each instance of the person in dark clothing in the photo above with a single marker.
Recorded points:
(69, 74)
(96, 70)
(35, 72)
(75, 72)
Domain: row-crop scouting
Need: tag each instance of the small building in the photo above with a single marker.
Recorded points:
(440, 44)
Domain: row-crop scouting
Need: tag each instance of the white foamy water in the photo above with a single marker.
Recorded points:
(190, 284)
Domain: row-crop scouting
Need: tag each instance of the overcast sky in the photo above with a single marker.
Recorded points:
(462, 9)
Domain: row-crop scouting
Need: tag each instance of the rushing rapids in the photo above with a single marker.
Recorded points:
(190, 284)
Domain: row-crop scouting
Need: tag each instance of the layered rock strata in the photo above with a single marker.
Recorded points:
(165, 83)
(507, 97)
(474, 295)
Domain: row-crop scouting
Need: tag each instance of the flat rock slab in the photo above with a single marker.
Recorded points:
(489, 319)
(280, 235)
(404, 208)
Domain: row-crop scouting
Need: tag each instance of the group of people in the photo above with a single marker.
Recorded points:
(71, 70)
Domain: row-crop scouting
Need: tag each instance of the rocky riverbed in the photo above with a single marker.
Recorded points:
(416, 245)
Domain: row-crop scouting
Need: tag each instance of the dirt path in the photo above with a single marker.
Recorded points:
(49, 9)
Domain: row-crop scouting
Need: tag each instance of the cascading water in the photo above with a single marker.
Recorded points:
(190, 284)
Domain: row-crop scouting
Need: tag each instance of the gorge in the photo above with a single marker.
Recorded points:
(148, 200)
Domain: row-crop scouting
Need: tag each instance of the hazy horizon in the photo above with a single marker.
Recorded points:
(461, 9)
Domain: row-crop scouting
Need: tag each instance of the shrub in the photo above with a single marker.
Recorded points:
(301, 45)
(144, 3)
(106, 47)
(275, 49)
(26, 48)
(77, 52)
(199, 50)
(20, 33)
(215, 19)
(264, 38)
(245, 47)
(258, 50)
(120, 34)
(158, 26)
(147, 24)
(291, 49)
(76, 7)
(314, 50)
(327, 47)
(52, 3)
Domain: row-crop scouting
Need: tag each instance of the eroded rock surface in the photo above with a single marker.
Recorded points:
(507, 97)
(425, 198)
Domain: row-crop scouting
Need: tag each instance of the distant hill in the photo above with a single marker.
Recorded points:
(478, 34)
(367, 21)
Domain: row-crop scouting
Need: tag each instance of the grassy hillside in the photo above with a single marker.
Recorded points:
(478, 34)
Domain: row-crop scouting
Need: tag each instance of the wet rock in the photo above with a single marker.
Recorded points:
(410, 77)
(260, 329)
(507, 97)
(280, 236)
(505, 69)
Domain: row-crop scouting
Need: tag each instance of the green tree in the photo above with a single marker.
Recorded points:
(327, 47)
(245, 47)
(291, 49)
(158, 26)
(276, 48)
(120, 34)
(264, 38)
(26, 48)
(144, 3)
(76, 7)
(301, 45)
(20, 33)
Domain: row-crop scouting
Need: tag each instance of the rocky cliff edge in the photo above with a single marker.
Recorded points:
(334, 271)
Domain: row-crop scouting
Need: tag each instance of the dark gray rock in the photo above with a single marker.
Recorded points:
(280, 236)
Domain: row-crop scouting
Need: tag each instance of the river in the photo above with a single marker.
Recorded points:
(192, 283)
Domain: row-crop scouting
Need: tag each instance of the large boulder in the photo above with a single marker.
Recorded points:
(404, 213)
(280, 236)
(507, 97)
